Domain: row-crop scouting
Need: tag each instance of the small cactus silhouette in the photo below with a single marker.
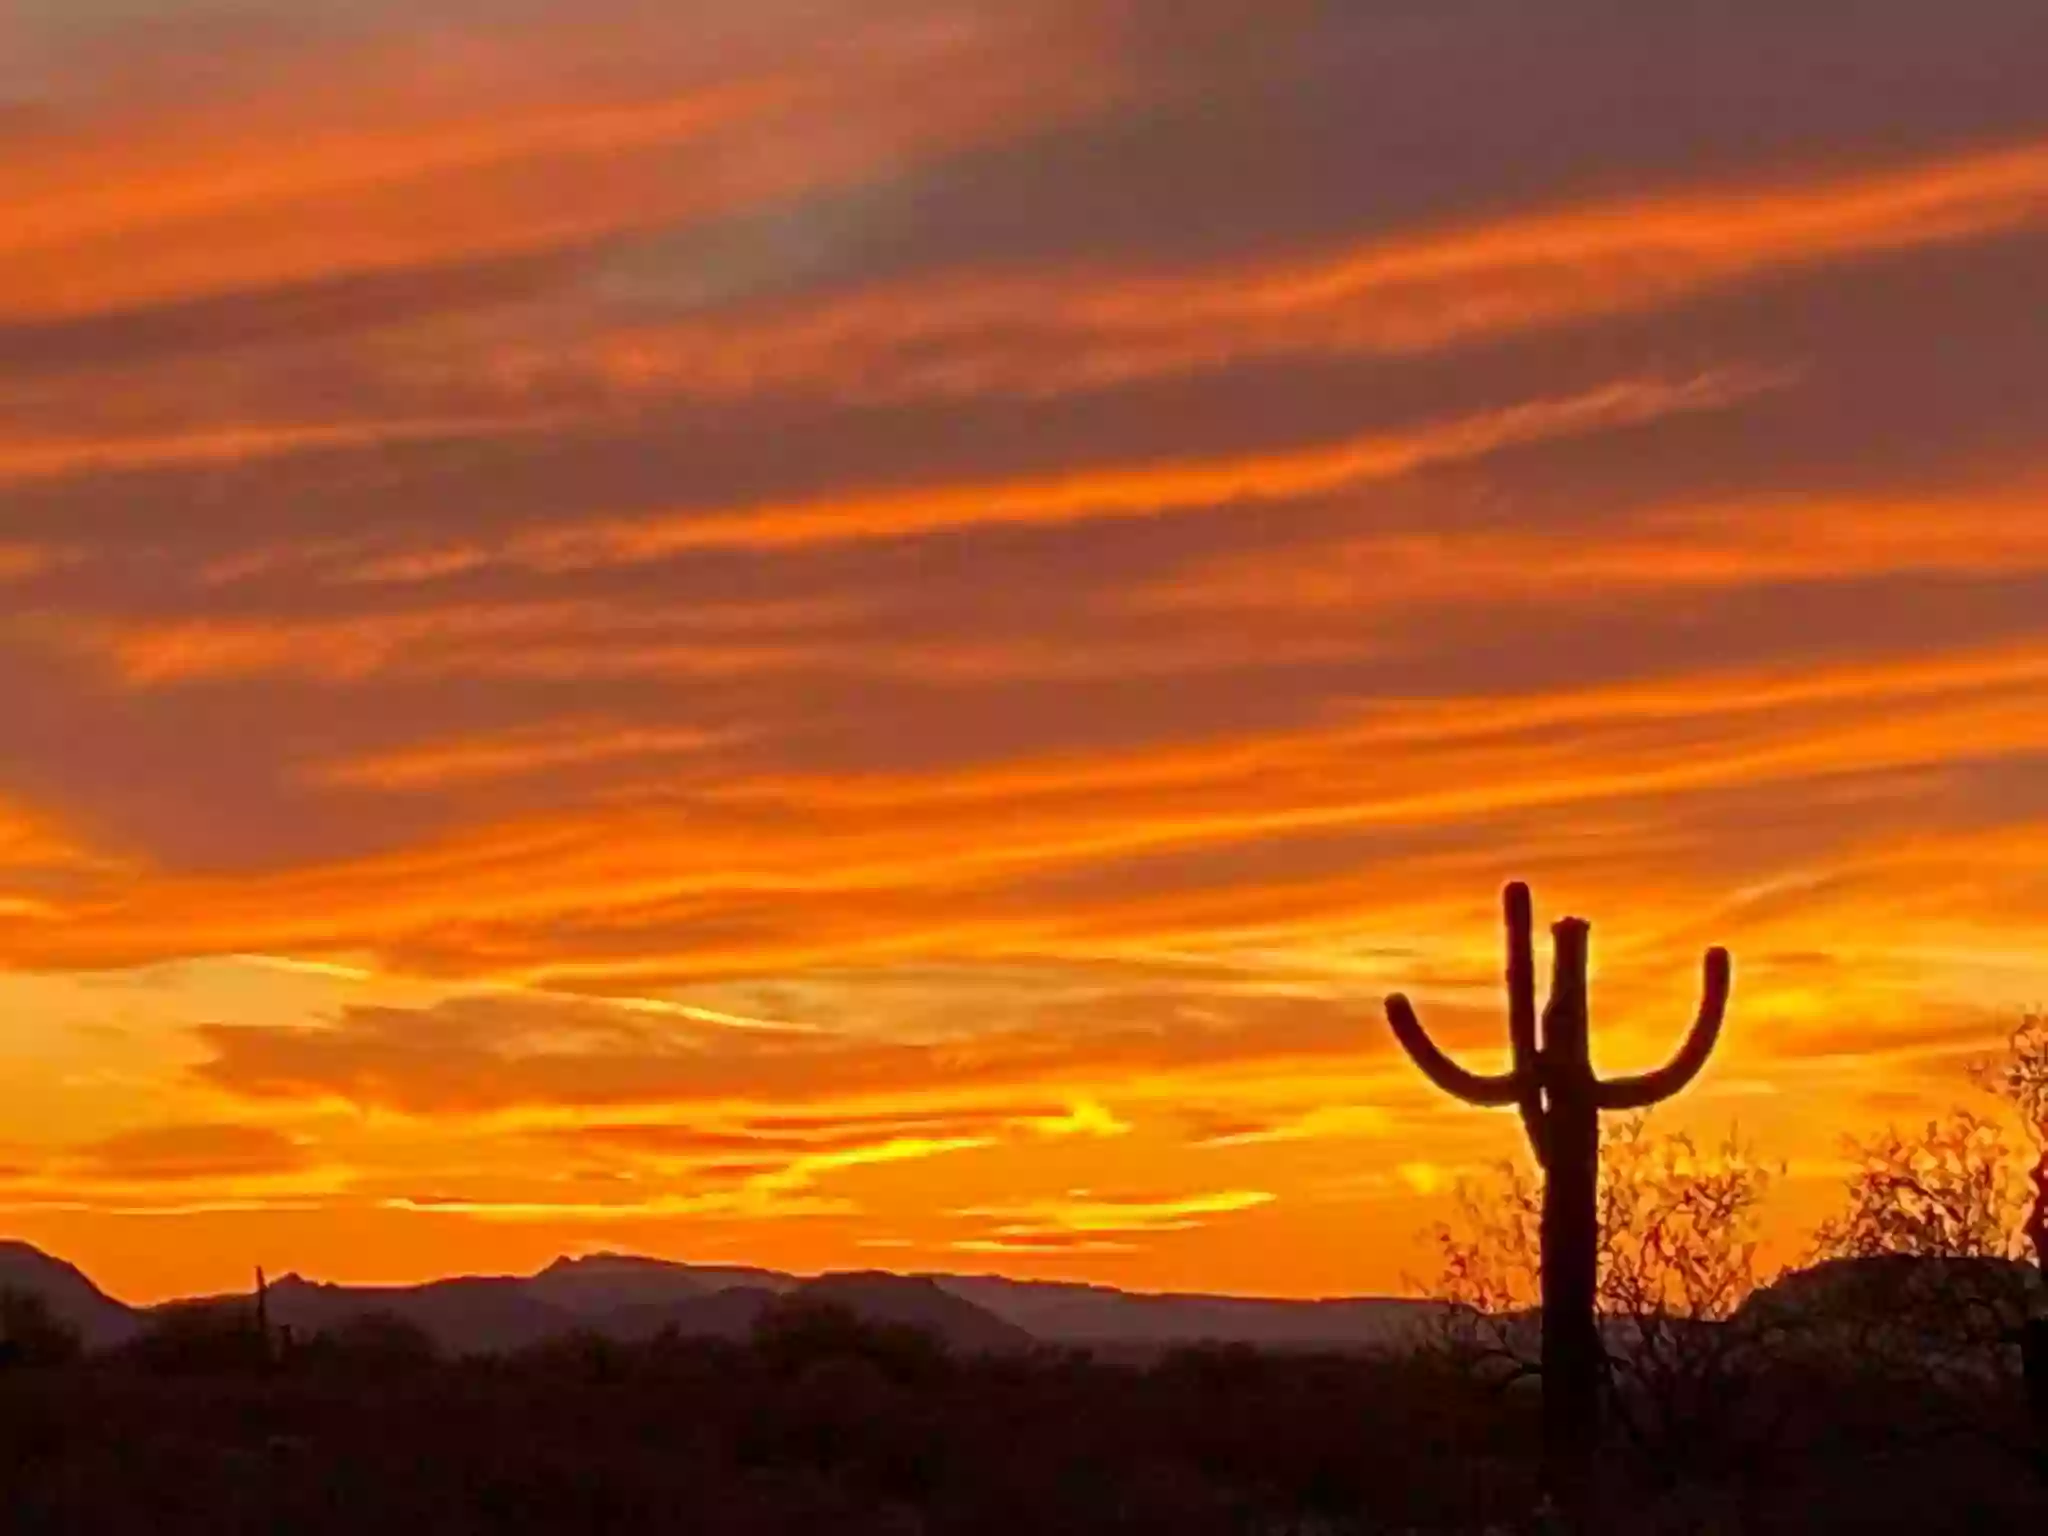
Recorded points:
(267, 1354)
(1550, 1081)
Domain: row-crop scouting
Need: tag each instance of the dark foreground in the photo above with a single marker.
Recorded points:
(879, 1433)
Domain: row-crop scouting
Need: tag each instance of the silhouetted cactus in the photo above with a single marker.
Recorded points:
(273, 1345)
(1550, 1081)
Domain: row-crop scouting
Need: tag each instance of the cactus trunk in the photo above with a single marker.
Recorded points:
(1551, 1082)
(1570, 1231)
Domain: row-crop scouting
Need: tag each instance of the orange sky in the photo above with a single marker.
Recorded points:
(865, 636)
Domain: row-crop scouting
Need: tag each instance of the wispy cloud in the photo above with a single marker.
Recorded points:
(1083, 1212)
(1148, 491)
(1477, 282)
(437, 765)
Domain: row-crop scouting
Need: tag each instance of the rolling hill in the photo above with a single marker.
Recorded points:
(100, 1320)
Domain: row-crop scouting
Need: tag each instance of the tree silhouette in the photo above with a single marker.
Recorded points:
(1951, 1192)
(2020, 1076)
(2022, 1079)
(31, 1334)
(1947, 1225)
(1678, 1258)
(1922, 1281)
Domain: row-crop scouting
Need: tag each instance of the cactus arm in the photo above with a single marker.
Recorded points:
(1631, 1093)
(1521, 925)
(1521, 976)
(1486, 1092)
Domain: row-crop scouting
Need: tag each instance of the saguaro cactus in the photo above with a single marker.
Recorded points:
(1550, 1080)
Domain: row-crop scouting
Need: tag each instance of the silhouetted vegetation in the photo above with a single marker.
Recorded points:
(199, 1338)
(1676, 1266)
(32, 1336)
(1913, 1328)
(825, 1423)
(1935, 1266)
(1892, 1384)
(820, 1423)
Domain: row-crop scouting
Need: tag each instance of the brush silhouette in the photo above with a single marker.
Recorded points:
(1550, 1081)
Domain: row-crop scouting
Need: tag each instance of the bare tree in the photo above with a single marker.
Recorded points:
(1678, 1257)
(1920, 1262)
(1956, 1194)
(2020, 1076)
(1951, 1192)
(2022, 1080)
(1941, 1248)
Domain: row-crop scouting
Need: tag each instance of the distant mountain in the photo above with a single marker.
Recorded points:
(473, 1315)
(602, 1283)
(73, 1299)
(1864, 1300)
(1894, 1274)
(631, 1299)
(729, 1315)
(1048, 1311)
(920, 1302)
(1092, 1315)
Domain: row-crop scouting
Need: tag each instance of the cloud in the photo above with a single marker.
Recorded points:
(1985, 533)
(19, 561)
(759, 1139)
(1145, 492)
(483, 1055)
(765, 875)
(264, 187)
(222, 214)
(27, 459)
(1321, 1124)
(1084, 1212)
(515, 754)
(28, 838)
(1022, 335)
(1084, 1118)
(537, 637)
(182, 1153)
(774, 1189)
(1040, 1245)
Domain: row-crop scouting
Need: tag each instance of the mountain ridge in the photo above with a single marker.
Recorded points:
(70, 1294)
(632, 1297)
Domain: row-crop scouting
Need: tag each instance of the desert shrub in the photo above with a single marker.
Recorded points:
(199, 1339)
(1678, 1234)
(32, 1336)
(796, 1334)
(372, 1344)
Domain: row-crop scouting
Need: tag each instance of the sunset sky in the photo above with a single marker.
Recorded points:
(863, 633)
